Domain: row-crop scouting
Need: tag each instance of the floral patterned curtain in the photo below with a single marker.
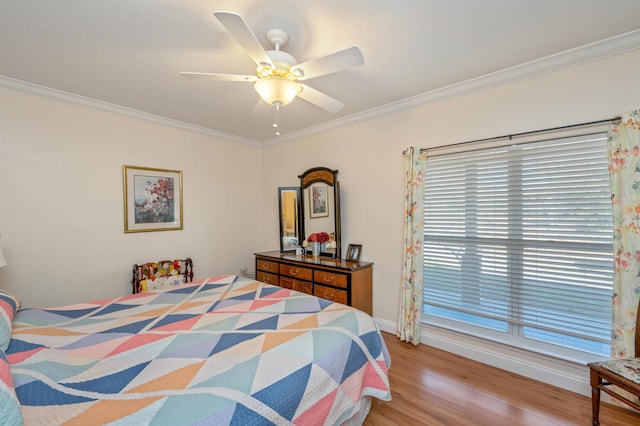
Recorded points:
(411, 289)
(624, 169)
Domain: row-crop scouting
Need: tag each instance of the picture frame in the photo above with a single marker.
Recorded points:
(354, 251)
(152, 199)
(318, 201)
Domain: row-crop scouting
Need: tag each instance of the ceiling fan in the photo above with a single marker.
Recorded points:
(278, 75)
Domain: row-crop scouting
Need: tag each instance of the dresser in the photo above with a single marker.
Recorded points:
(338, 280)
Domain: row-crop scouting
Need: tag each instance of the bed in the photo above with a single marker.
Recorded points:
(226, 350)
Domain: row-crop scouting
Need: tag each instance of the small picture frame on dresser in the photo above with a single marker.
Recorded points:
(353, 252)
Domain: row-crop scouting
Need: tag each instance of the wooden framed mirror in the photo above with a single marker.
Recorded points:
(320, 207)
(289, 209)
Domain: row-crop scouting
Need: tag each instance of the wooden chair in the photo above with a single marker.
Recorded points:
(623, 373)
(165, 273)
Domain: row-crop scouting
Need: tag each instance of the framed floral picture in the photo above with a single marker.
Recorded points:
(318, 203)
(152, 199)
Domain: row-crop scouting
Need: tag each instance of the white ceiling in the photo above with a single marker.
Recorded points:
(129, 52)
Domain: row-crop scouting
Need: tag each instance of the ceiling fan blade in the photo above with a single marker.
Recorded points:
(334, 62)
(219, 77)
(244, 36)
(262, 108)
(318, 98)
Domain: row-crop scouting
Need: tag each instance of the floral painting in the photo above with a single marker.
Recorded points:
(153, 199)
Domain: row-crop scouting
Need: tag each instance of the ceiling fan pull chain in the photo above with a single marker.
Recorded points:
(276, 117)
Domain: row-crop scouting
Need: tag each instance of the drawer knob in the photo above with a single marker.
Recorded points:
(329, 279)
(293, 272)
(266, 266)
(327, 296)
(266, 279)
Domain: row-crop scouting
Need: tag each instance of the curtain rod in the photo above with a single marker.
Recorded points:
(614, 120)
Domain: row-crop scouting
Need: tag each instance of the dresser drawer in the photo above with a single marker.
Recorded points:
(267, 266)
(332, 294)
(303, 287)
(286, 282)
(304, 274)
(330, 278)
(267, 278)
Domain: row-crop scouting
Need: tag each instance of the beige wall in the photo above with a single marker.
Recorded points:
(61, 203)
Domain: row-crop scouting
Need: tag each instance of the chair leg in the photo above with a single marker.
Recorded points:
(595, 406)
(596, 381)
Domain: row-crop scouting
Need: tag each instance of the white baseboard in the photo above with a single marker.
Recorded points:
(563, 374)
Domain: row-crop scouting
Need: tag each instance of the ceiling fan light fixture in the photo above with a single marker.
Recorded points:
(277, 89)
(277, 72)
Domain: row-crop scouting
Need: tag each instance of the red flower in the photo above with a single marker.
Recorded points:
(318, 237)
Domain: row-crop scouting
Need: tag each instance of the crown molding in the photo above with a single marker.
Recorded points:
(47, 92)
(590, 52)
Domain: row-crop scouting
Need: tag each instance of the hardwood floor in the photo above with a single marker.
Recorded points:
(433, 387)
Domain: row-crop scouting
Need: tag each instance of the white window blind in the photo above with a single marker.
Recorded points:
(518, 240)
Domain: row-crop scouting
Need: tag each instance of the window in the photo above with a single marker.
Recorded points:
(518, 245)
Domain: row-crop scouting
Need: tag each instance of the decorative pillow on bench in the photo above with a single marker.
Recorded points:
(163, 274)
(161, 282)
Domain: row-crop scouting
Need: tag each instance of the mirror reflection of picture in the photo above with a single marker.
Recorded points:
(320, 185)
(354, 251)
(318, 201)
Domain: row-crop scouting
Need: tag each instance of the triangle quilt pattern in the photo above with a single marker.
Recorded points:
(226, 350)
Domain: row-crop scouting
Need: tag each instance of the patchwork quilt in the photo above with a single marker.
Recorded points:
(226, 350)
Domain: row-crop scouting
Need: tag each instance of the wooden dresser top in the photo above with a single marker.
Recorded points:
(327, 262)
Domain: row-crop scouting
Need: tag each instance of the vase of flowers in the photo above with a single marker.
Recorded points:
(316, 240)
(315, 248)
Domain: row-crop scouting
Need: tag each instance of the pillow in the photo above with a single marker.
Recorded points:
(161, 282)
(8, 307)
(10, 414)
